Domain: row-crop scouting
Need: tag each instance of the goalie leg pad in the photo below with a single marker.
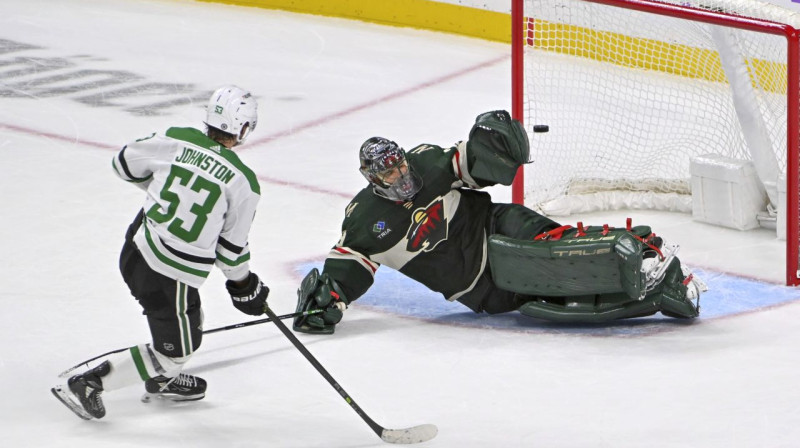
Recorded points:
(678, 295)
(596, 262)
(588, 309)
(595, 274)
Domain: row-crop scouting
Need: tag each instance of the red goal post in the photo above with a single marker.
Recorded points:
(524, 36)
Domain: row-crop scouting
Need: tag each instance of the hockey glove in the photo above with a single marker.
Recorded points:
(251, 298)
(319, 292)
(508, 134)
(497, 147)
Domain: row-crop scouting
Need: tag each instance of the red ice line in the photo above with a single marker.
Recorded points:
(380, 100)
(284, 133)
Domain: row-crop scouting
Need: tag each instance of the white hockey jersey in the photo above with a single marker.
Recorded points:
(201, 201)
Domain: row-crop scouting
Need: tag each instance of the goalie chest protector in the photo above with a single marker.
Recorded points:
(596, 262)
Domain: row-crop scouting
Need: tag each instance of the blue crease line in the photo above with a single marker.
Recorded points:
(728, 295)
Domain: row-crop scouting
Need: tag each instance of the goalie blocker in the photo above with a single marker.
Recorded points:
(595, 274)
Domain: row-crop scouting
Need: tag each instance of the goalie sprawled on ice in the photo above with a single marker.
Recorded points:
(421, 215)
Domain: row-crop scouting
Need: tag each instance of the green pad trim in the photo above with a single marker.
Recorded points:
(585, 265)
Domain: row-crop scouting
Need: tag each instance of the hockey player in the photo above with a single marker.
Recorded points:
(200, 203)
(421, 215)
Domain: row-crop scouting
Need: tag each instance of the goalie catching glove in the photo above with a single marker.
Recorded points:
(251, 298)
(498, 145)
(319, 292)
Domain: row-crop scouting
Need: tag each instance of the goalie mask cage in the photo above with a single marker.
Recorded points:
(633, 89)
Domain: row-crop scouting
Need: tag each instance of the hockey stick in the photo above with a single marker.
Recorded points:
(416, 434)
(214, 330)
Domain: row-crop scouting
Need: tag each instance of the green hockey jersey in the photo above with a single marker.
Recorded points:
(438, 239)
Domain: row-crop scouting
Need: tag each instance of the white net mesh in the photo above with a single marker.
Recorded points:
(631, 97)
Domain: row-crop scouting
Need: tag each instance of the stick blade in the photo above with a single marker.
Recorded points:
(417, 434)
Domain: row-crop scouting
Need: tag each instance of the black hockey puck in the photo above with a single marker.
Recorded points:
(541, 128)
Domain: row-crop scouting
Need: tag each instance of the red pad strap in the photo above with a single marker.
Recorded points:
(645, 242)
(581, 230)
(688, 279)
(629, 227)
(554, 234)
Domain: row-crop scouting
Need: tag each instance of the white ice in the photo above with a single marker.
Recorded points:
(324, 85)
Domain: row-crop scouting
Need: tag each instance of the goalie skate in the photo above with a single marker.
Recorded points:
(694, 286)
(654, 268)
(180, 388)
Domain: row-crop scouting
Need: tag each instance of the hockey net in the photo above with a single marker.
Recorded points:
(632, 90)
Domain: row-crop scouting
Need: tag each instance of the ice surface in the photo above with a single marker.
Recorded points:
(81, 78)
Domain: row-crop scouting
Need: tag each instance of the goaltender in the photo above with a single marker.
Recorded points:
(421, 214)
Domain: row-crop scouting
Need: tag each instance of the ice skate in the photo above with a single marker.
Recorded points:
(82, 392)
(694, 285)
(180, 388)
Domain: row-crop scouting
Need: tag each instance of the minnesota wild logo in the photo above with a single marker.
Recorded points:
(428, 227)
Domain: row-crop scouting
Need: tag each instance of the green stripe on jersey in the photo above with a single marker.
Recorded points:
(198, 138)
(235, 262)
(168, 261)
(186, 331)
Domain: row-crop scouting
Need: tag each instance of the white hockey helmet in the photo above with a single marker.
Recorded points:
(232, 110)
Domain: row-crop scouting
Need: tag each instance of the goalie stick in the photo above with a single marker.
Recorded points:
(214, 330)
(416, 434)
